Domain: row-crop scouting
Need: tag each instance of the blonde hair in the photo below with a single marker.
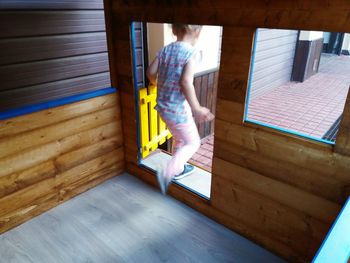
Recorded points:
(182, 29)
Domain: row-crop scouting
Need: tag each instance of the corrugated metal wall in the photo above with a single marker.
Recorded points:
(274, 57)
(50, 50)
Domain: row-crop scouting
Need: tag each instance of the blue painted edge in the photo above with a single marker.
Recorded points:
(55, 103)
(289, 131)
(331, 229)
(264, 124)
(133, 49)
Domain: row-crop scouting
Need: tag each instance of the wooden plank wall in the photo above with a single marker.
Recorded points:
(50, 156)
(50, 50)
(279, 190)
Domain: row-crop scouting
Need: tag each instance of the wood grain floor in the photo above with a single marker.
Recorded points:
(124, 220)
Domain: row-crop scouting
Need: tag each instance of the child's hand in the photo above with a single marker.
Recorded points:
(203, 114)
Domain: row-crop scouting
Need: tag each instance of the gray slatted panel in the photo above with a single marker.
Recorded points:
(14, 98)
(29, 23)
(51, 49)
(21, 75)
(274, 58)
(50, 4)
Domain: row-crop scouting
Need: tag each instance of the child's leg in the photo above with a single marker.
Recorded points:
(186, 143)
(177, 143)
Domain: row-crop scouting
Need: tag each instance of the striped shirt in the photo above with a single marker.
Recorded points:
(171, 103)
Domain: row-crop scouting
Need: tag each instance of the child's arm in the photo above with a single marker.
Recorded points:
(152, 71)
(186, 82)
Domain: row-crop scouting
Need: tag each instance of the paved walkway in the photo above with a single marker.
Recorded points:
(310, 107)
(204, 156)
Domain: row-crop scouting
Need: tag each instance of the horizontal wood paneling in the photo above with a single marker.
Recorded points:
(20, 124)
(304, 178)
(20, 75)
(272, 14)
(63, 129)
(48, 47)
(16, 181)
(286, 149)
(278, 48)
(279, 190)
(53, 90)
(79, 146)
(26, 159)
(29, 23)
(273, 60)
(309, 204)
(253, 4)
(270, 217)
(51, 50)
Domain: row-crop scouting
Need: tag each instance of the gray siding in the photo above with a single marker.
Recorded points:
(139, 54)
(50, 50)
(274, 57)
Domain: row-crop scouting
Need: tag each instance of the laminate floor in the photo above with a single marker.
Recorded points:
(124, 220)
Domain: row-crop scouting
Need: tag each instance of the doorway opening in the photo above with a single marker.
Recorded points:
(154, 139)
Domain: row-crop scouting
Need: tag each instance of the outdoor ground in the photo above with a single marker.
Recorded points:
(203, 157)
(310, 107)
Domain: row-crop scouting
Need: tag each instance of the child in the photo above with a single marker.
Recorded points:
(173, 71)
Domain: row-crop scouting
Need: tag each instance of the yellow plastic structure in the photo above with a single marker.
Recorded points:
(153, 130)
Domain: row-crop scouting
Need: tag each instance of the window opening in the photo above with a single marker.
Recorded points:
(299, 82)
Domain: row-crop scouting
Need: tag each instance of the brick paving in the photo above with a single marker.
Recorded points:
(204, 156)
(310, 107)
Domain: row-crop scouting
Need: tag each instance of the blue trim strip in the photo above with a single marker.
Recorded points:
(315, 259)
(290, 131)
(136, 90)
(54, 103)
